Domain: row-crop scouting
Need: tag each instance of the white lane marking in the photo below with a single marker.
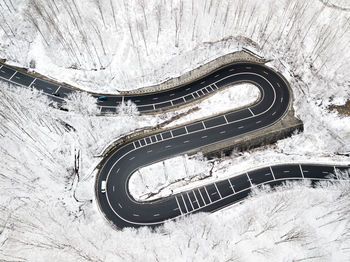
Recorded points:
(231, 186)
(278, 84)
(118, 170)
(240, 127)
(274, 113)
(189, 200)
(265, 72)
(171, 102)
(281, 99)
(177, 202)
(232, 69)
(206, 191)
(161, 136)
(168, 146)
(207, 89)
(324, 172)
(186, 130)
(197, 94)
(216, 75)
(188, 88)
(149, 151)
(193, 96)
(267, 174)
(186, 141)
(202, 82)
(1, 67)
(183, 200)
(250, 181)
(120, 205)
(194, 193)
(226, 119)
(222, 132)
(203, 125)
(135, 215)
(248, 67)
(257, 122)
(215, 86)
(286, 171)
(32, 82)
(154, 107)
(217, 190)
(13, 75)
(132, 158)
(134, 145)
(155, 98)
(145, 141)
(174, 209)
(57, 89)
(156, 215)
(113, 188)
(137, 101)
(200, 193)
(204, 136)
(301, 170)
(171, 94)
(251, 111)
(212, 89)
(273, 175)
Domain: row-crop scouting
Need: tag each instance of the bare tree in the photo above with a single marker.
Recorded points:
(158, 10)
(142, 4)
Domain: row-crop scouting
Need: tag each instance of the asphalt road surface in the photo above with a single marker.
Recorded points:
(118, 205)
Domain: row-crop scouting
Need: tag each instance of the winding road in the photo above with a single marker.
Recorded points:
(115, 201)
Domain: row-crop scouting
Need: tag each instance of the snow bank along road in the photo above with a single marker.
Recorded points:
(115, 200)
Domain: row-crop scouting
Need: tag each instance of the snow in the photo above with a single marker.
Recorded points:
(48, 157)
(231, 98)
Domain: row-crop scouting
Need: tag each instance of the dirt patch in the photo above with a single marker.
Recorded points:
(343, 110)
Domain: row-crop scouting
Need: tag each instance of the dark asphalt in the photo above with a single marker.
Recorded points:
(117, 204)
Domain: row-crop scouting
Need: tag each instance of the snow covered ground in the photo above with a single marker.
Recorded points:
(48, 157)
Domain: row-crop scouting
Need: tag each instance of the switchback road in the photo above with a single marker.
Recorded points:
(111, 187)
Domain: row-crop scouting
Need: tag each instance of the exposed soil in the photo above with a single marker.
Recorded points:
(343, 110)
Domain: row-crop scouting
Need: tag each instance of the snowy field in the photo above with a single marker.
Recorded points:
(48, 157)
